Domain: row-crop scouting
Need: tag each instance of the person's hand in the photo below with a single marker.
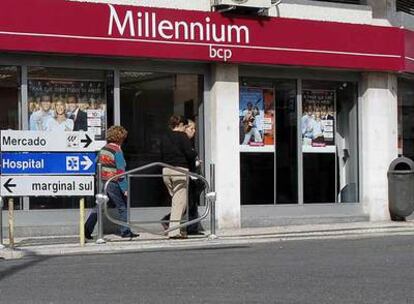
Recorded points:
(126, 193)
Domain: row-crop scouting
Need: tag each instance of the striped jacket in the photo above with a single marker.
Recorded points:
(113, 163)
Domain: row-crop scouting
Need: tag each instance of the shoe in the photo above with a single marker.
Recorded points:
(195, 233)
(129, 235)
(178, 237)
(88, 235)
(165, 226)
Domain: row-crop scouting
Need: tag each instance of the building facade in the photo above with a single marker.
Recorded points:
(301, 107)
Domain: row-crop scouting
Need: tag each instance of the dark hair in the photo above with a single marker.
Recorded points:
(74, 97)
(45, 95)
(175, 121)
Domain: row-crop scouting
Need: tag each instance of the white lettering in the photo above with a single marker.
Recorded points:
(221, 53)
(238, 30)
(184, 26)
(165, 25)
(22, 164)
(147, 25)
(128, 20)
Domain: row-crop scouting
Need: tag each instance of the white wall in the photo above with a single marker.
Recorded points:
(379, 140)
(224, 124)
(198, 5)
(300, 9)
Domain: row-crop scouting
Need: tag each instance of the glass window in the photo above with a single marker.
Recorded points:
(405, 117)
(268, 144)
(9, 97)
(68, 100)
(147, 101)
(9, 100)
(329, 142)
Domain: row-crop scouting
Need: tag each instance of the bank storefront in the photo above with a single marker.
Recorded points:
(279, 103)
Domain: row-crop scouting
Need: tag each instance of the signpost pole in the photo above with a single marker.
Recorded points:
(82, 222)
(213, 203)
(1, 223)
(11, 223)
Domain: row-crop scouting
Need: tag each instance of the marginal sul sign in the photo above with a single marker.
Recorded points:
(36, 185)
(41, 141)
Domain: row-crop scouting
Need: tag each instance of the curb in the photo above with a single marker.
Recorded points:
(224, 241)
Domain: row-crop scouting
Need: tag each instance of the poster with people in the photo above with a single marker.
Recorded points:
(58, 105)
(256, 113)
(318, 119)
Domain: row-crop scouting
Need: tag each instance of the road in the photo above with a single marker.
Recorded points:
(370, 270)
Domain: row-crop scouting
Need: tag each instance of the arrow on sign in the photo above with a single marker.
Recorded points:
(87, 140)
(8, 185)
(87, 163)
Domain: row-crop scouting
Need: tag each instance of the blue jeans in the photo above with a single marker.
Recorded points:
(117, 198)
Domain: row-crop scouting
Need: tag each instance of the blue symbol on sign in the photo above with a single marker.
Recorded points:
(48, 163)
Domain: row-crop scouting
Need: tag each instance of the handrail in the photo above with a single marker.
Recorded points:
(210, 197)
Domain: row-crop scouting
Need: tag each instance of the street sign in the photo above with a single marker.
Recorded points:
(44, 141)
(48, 163)
(37, 185)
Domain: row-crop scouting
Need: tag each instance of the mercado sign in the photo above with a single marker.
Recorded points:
(146, 32)
(44, 141)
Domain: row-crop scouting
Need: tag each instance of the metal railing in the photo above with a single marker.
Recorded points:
(102, 200)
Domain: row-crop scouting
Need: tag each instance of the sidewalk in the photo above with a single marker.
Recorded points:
(51, 246)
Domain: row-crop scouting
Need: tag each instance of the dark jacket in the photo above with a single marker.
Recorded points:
(176, 150)
(81, 121)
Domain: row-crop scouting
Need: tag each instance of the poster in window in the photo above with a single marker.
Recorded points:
(256, 116)
(59, 105)
(318, 119)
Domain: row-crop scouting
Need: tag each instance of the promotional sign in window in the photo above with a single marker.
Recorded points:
(256, 113)
(59, 105)
(318, 120)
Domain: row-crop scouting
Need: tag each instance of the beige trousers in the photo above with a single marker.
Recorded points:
(176, 183)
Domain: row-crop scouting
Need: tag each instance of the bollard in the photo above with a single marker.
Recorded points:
(82, 222)
(100, 200)
(1, 223)
(11, 223)
(213, 201)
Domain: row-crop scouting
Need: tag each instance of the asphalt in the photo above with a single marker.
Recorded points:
(70, 245)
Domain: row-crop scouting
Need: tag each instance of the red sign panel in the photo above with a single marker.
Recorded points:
(59, 26)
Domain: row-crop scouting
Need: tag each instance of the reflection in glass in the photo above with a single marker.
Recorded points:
(9, 97)
(269, 165)
(329, 142)
(68, 100)
(405, 117)
(9, 101)
(147, 101)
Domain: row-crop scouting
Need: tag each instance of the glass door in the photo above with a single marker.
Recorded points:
(329, 142)
(268, 141)
(148, 99)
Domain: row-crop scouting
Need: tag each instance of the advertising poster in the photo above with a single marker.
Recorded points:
(256, 113)
(59, 105)
(318, 120)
